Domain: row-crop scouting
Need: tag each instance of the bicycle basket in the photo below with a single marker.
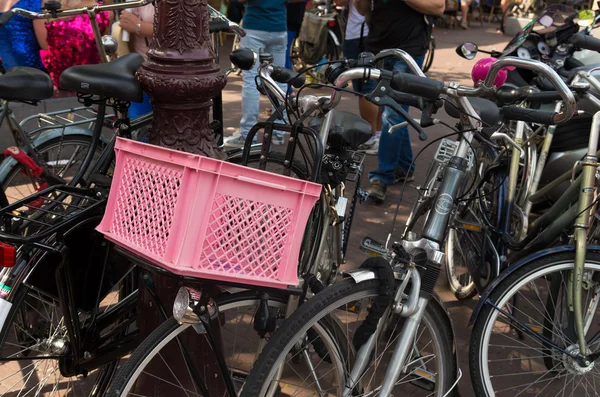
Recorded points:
(199, 217)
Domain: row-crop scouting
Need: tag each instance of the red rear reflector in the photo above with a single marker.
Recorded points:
(331, 24)
(7, 255)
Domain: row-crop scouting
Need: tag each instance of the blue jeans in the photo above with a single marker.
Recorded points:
(352, 49)
(395, 152)
(290, 41)
(273, 43)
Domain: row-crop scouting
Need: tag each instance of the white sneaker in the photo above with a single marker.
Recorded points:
(374, 148)
(278, 139)
(236, 140)
(373, 142)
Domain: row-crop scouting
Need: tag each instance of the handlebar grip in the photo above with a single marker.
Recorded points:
(218, 26)
(407, 99)
(544, 97)
(528, 115)
(286, 76)
(586, 42)
(416, 85)
(5, 17)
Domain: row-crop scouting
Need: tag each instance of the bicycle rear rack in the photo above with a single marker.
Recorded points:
(47, 212)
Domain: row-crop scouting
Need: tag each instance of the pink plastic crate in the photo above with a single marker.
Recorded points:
(200, 217)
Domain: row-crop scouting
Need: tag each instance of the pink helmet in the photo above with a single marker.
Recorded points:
(481, 68)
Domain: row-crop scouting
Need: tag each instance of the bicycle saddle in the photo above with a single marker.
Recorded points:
(348, 130)
(487, 111)
(115, 79)
(25, 84)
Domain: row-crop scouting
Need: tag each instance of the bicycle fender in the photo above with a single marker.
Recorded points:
(334, 37)
(519, 264)
(9, 162)
(360, 275)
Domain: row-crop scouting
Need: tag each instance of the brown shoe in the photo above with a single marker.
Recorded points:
(377, 191)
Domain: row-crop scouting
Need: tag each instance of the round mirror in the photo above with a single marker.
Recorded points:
(467, 50)
(110, 45)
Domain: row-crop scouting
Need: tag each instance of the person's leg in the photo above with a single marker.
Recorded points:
(406, 157)
(370, 112)
(395, 152)
(464, 8)
(254, 40)
(290, 40)
(276, 46)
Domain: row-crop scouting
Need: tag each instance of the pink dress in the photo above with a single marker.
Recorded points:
(71, 42)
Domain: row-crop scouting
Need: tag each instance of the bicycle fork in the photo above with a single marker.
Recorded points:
(413, 309)
(582, 224)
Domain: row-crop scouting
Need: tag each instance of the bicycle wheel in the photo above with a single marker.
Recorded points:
(35, 329)
(515, 356)
(288, 364)
(321, 228)
(429, 56)
(61, 155)
(240, 344)
(471, 257)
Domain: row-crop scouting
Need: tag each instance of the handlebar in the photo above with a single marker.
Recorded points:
(565, 92)
(5, 17)
(586, 42)
(70, 12)
(416, 89)
(8, 15)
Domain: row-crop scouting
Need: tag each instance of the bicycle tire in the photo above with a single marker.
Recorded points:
(170, 329)
(10, 167)
(537, 269)
(326, 270)
(310, 314)
(18, 310)
(429, 56)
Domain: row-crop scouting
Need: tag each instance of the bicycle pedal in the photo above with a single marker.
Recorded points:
(372, 247)
(353, 307)
(425, 380)
(470, 226)
(363, 195)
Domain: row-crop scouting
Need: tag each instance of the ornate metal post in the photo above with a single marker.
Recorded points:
(182, 77)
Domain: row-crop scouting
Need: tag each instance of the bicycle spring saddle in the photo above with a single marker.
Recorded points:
(114, 79)
(25, 84)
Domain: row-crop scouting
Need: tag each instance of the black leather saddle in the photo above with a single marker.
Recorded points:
(25, 84)
(114, 79)
(487, 111)
(348, 130)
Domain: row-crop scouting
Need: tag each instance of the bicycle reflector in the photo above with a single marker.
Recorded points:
(331, 23)
(7, 255)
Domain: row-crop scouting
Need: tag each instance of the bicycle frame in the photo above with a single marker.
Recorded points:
(436, 226)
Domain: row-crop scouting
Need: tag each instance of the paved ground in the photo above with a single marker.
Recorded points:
(372, 220)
